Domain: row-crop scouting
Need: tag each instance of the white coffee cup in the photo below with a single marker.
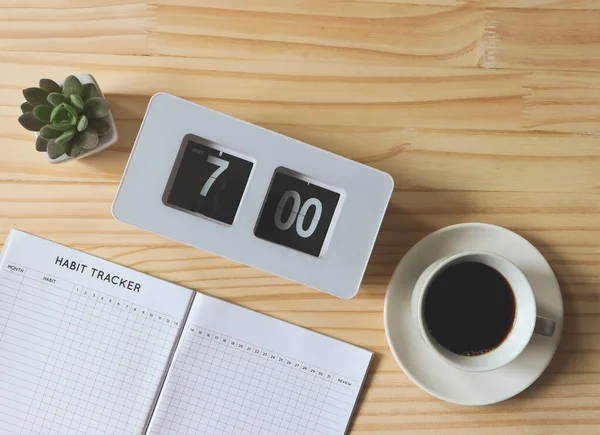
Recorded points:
(525, 324)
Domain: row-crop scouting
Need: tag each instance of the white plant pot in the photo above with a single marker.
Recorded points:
(104, 142)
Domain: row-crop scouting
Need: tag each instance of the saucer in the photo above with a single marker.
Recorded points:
(422, 365)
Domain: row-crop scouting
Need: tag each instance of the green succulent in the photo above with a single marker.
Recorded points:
(70, 118)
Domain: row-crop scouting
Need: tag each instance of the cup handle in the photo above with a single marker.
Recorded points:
(544, 326)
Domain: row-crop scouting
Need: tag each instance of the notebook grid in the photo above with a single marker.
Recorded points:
(220, 385)
(74, 360)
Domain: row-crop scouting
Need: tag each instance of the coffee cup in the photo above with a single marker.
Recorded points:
(476, 310)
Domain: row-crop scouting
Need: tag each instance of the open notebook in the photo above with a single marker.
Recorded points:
(88, 346)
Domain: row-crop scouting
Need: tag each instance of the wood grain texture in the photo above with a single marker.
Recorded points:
(372, 32)
(548, 39)
(500, 127)
(88, 26)
(564, 5)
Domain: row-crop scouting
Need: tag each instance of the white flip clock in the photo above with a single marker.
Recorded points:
(252, 195)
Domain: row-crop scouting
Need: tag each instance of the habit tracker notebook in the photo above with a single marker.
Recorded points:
(87, 346)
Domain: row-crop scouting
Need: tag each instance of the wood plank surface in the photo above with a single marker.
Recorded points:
(481, 110)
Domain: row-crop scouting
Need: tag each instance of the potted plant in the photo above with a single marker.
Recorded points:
(71, 119)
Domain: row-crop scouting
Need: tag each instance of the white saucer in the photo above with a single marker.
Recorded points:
(426, 368)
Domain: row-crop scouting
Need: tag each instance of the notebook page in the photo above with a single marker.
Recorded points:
(236, 371)
(82, 349)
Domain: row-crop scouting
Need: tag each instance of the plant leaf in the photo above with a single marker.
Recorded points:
(64, 112)
(75, 150)
(43, 113)
(26, 107)
(30, 122)
(96, 107)
(49, 132)
(55, 99)
(89, 90)
(41, 144)
(87, 139)
(82, 124)
(72, 86)
(62, 126)
(77, 102)
(56, 150)
(35, 96)
(101, 125)
(73, 112)
(65, 137)
(59, 114)
(49, 86)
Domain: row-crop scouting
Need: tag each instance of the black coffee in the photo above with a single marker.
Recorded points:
(469, 308)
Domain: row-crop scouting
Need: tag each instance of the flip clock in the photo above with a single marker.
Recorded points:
(252, 195)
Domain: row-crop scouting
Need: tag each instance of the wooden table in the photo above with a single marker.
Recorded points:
(481, 110)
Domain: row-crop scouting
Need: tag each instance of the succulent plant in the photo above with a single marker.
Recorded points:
(70, 118)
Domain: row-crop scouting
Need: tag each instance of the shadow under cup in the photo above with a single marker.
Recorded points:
(484, 313)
